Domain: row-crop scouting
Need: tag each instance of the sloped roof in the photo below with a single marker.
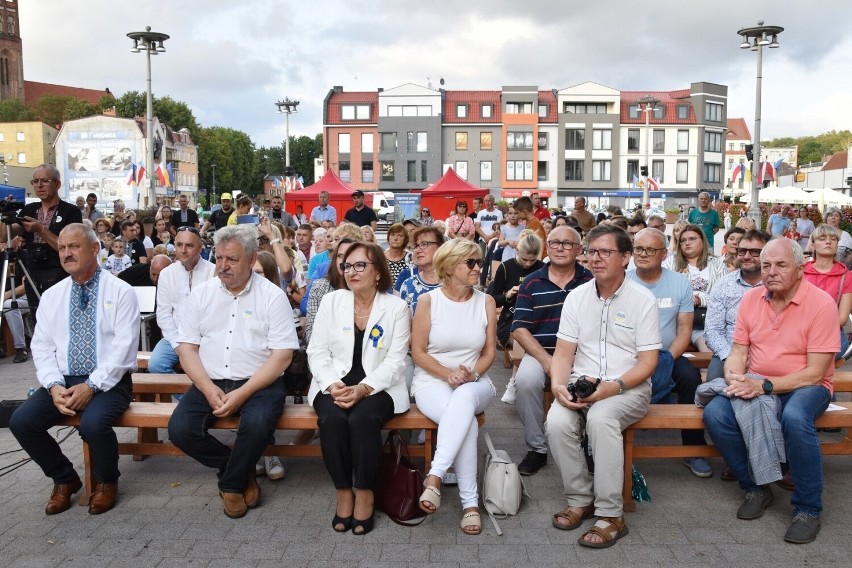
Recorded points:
(452, 185)
(738, 129)
(671, 100)
(474, 100)
(338, 98)
(837, 162)
(33, 91)
(549, 99)
(330, 182)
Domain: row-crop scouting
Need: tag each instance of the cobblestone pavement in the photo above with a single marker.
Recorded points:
(169, 514)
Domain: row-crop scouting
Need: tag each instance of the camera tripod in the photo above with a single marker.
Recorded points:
(11, 257)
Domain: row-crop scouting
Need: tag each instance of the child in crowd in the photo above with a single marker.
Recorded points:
(118, 260)
(106, 246)
(792, 232)
(165, 238)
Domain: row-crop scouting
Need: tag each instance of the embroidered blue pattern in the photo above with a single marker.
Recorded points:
(82, 326)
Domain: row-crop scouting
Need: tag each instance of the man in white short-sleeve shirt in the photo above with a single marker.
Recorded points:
(609, 334)
(235, 340)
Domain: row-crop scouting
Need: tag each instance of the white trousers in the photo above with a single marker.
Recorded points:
(455, 412)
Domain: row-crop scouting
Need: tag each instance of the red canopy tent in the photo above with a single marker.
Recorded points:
(339, 195)
(441, 197)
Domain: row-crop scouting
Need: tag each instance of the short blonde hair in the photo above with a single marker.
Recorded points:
(451, 254)
(529, 243)
(348, 230)
(824, 230)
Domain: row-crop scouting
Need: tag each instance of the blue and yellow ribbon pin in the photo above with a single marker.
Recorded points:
(376, 335)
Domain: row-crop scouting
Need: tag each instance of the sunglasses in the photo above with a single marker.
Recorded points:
(471, 262)
(192, 230)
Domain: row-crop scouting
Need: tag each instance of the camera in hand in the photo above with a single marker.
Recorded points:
(582, 387)
(8, 210)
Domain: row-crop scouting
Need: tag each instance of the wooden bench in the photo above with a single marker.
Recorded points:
(150, 416)
(689, 417)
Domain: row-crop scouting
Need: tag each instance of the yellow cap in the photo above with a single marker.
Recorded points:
(226, 196)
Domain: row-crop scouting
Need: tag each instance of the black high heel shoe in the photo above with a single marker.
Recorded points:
(345, 521)
(366, 525)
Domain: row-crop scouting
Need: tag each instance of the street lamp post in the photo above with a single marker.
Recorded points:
(755, 39)
(650, 104)
(287, 107)
(212, 203)
(152, 44)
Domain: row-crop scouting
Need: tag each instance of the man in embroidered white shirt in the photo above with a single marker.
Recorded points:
(235, 340)
(84, 348)
(173, 289)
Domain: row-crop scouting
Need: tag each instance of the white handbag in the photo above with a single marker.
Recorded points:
(502, 486)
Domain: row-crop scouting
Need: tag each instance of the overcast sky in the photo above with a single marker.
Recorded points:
(230, 61)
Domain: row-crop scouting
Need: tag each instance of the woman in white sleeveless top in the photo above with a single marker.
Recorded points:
(453, 342)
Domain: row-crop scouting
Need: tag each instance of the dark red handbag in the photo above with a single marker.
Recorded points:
(400, 483)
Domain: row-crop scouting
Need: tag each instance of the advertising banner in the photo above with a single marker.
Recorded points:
(99, 163)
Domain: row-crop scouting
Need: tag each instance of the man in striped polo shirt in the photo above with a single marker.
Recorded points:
(537, 313)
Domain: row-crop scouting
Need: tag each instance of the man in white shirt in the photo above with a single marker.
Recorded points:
(173, 288)
(488, 220)
(236, 337)
(84, 348)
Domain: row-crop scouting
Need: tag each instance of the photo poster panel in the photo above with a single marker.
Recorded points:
(100, 163)
(407, 206)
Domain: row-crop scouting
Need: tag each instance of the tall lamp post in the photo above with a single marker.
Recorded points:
(212, 203)
(650, 104)
(287, 107)
(152, 44)
(756, 39)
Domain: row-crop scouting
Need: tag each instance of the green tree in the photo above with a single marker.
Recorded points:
(176, 114)
(14, 110)
(78, 108)
(303, 151)
(233, 154)
(50, 109)
(815, 148)
(130, 105)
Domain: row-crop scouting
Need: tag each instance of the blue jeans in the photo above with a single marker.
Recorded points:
(715, 369)
(799, 409)
(163, 358)
(188, 430)
(30, 422)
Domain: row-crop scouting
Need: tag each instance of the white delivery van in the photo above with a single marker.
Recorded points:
(383, 203)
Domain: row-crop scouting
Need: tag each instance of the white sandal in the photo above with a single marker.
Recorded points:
(471, 519)
(432, 496)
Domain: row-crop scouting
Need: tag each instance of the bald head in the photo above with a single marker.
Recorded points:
(157, 265)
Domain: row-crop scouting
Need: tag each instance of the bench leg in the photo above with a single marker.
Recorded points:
(428, 445)
(88, 477)
(148, 435)
(627, 491)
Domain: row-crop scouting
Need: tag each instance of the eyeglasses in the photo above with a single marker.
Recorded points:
(356, 266)
(471, 262)
(462, 207)
(41, 181)
(745, 252)
(686, 240)
(423, 245)
(646, 251)
(560, 245)
(192, 230)
(603, 253)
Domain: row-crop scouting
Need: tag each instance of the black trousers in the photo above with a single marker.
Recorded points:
(351, 439)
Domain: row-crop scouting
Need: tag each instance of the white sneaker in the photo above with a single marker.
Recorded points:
(509, 395)
(260, 468)
(274, 469)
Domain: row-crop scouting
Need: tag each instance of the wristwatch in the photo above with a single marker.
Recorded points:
(476, 375)
(274, 241)
(767, 386)
(621, 385)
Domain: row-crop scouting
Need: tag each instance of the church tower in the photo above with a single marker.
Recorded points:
(11, 52)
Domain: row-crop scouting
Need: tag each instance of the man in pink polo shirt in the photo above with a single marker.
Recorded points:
(784, 344)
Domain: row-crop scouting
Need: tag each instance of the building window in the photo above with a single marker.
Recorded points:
(602, 139)
(424, 168)
(712, 141)
(682, 171)
(461, 169)
(632, 170)
(461, 111)
(712, 173)
(660, 111)
(367, 171)
(542, 170)
(633, 111)
(2, 137)
(343, 144)
(682, 112)
(659, 141)
(730, 146)
(422, 142)
(584, 108)
(461, 141)
(575, 139)
(485, 141)
(632, 139)
(11, 25)
(542, 111)
(411, 171)
(486, 111)
(713, 112)
(601, 170)
(22, 158)
(409, 110)
(484, 171)
(519, 170)
(355, 112)
(542, 140)
(519, 140)
(519, 108)
(683, 140)
(345, 171)
(388, 171)
(573, 170)
(21, 137)
(388, 142)
(409, 142)
(366, 142)
(657, 170)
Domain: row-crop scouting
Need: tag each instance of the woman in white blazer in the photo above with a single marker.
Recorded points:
(356, 354)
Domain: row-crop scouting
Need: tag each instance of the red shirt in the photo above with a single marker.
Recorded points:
(542, 213)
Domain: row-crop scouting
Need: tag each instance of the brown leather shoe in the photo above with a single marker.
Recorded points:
(251, 493)
(235, 504)
(103, 498)
(60, 499)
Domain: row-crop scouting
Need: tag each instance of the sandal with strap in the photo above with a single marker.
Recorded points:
(345, 522)
(432, 496)
(574, 520)
(610, 529)
(471, 519)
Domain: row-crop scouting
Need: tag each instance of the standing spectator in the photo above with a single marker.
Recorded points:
(300, 217)
(778, 223)
(583, 216)
(624, 313)
(324, 211)
(133, 248)
(509, 234)
(524, 208)
(805, 226)
(488, 220)
(244, 206)
(453, 345)
(90, 211)
(539, 210)
(426, 217)
(277, 213)
(183, 217)
(219, 218)
(460, 225)
(360, 214)
(706, 218)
